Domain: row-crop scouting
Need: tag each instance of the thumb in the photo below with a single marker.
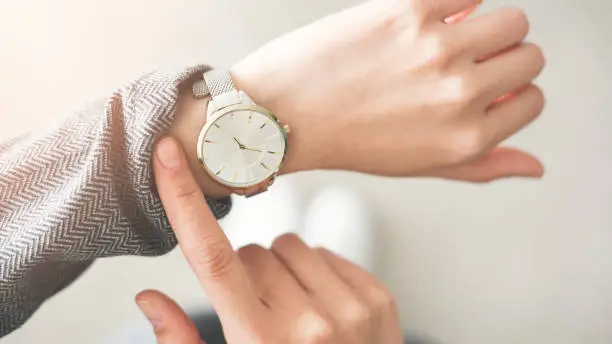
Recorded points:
(169, 321)
(502, 162)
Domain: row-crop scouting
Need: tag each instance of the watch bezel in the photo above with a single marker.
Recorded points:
(224, 111)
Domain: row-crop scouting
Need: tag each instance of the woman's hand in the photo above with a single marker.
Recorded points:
(289, 294)
(403, 88)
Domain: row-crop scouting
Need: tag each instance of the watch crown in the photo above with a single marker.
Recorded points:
(287, 128)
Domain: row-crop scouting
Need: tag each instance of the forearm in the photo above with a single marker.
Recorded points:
(84, 189)
(188, 120)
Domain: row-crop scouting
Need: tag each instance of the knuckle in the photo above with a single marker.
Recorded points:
(393, 22)
(259, 331)
(402, 8)
(383, 302)
(438, 51)
(418, 8)
(381, 298)
(216, 259)
(461, 91)
(266, 337)
(468, 144)
(267, 290)
(313, 328)
(186, 193)
(394, 18)
(356, 314)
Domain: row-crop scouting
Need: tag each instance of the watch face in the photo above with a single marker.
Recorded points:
(242, 147)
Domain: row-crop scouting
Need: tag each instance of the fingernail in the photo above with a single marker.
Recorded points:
(151, 314)
(168, 153)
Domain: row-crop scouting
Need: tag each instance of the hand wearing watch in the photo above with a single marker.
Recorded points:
(241, 145)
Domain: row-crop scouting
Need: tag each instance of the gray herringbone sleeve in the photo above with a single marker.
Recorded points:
(84, 189)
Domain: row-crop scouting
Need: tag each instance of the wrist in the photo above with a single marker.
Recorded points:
(189, 119)
(267, 88)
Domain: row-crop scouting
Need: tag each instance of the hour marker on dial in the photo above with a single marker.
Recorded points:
(264, 166)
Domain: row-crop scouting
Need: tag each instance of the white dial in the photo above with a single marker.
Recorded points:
(243, 148)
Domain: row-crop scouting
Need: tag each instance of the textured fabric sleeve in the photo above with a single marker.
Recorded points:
(84, 189)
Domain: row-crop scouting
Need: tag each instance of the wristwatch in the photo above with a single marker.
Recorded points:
(241, 145)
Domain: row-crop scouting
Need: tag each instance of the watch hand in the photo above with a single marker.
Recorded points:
(258, 150)
(252, 149)
(239, 144)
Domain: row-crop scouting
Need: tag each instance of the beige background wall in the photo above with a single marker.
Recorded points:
(513, 262)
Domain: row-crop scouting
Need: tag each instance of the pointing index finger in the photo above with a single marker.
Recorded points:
(202, 241)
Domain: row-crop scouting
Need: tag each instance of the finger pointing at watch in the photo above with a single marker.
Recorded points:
(205, 246)
(286, 295)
